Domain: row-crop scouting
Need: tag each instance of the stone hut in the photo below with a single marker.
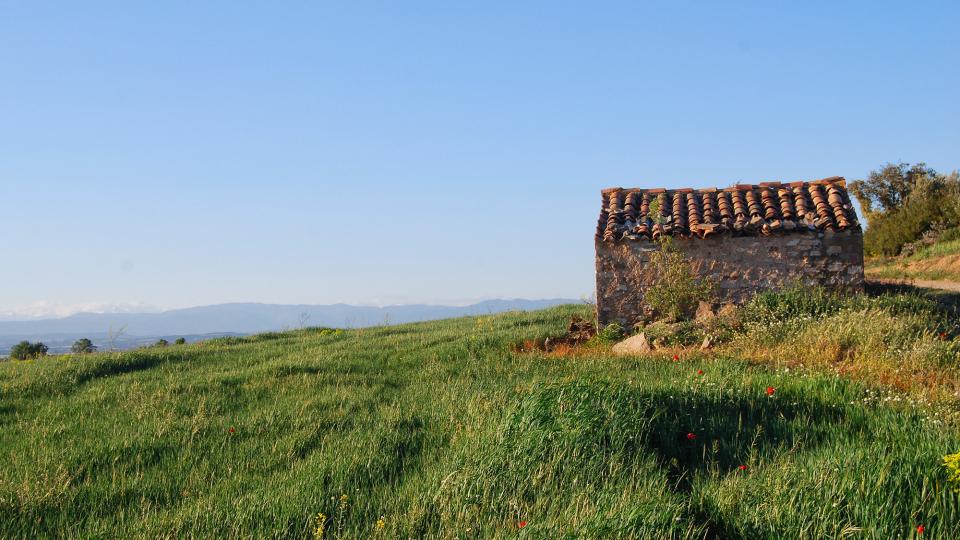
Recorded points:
(745, 238)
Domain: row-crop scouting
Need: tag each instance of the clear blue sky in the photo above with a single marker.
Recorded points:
(186, 153)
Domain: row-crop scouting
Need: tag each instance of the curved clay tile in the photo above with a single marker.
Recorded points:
(693, 213)
(739, 210)
(786, 208)
(709, 204)
(725, 207)
(663, 200)
(679, 219)
(602, 221)
(753, 203)
(768, 199)
(848, 206)
(613, 212)
(822, 208)
(804, 208)
(643, 224)
(786, 203)
(630, 212)
(739, 206)
(835, 199)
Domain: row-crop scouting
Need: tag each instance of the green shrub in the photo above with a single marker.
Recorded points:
(949, 235)
(83, 346)
(26, 350)
(611, 333)
(180, 341)
(682, 334)
(906, 206)
(161, 343)
(677, 289)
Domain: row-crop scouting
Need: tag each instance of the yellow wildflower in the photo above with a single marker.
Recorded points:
(952, 463)
(320, 525)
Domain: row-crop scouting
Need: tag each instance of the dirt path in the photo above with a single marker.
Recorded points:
(924, 283)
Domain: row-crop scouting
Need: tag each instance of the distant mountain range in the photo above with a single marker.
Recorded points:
(127, 330)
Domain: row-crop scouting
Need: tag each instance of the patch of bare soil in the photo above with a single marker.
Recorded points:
(579, 331)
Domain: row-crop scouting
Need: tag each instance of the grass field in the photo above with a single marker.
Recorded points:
(437, 430)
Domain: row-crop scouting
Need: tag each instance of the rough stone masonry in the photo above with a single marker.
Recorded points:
(745, 239)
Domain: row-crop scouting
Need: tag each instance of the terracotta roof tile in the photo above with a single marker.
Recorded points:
(744, 209)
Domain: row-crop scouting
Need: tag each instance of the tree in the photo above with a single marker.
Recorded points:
(83, 346)
(26, 350)
(180, 341)
(161, 343)
(888, 188)
(905, 204)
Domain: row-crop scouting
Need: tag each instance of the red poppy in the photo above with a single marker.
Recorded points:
(743, 467)
(691, 436)
(522, 524)
(699, 372)
(232, 430)
(943, 335)
(920, 529)
(771, 390)
(676, 357)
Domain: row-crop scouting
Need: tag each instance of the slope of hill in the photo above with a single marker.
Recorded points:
(239, 318)
(936, 262)
(438, 430)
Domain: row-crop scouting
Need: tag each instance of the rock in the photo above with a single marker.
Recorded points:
(637, 344)
(727, 310)
(707, 343)
(704, 311)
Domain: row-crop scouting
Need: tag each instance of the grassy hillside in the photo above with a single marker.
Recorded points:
(937, 262)
(437, 430)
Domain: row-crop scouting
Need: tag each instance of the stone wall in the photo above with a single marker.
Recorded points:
(740, 266)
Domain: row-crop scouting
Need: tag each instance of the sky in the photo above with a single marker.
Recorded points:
(156, 155)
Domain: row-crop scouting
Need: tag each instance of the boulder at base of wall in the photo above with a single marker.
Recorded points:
(637, 344)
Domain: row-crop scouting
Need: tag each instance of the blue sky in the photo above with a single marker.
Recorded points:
(171, 154)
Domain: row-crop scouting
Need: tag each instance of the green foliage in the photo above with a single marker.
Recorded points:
(442, 436)
(161, 343)
(902, 203)
(681, 334)
(180, 341)
(26, 350)
(951, 236)
(890, 187)
(83, 346)
(609, 334)
(677, 289)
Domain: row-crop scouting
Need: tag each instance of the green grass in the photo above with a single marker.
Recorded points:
(444, 433)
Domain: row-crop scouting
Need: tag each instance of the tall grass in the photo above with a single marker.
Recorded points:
(901, 340)
(438, 430)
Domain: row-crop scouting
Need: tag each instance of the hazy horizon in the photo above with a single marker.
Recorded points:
(47, 311)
